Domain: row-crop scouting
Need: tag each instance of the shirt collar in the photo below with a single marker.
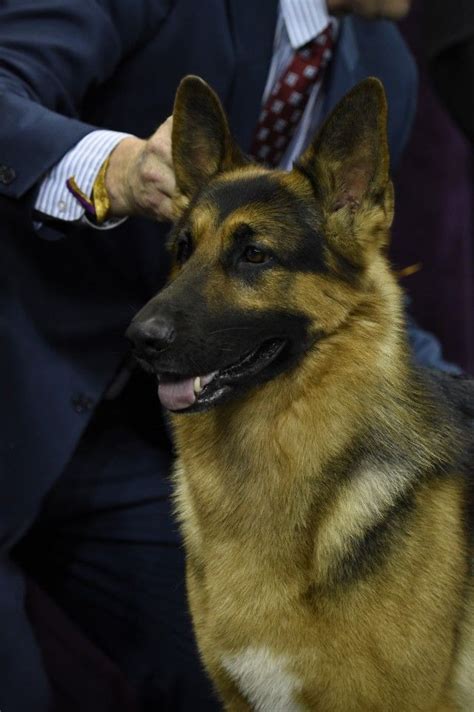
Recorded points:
(304, 19)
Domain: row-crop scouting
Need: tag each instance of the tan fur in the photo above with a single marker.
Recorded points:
(272, 500)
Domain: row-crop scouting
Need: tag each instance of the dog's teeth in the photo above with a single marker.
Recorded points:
(197, 385)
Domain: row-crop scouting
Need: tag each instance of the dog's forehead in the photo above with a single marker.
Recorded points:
(253, 196)
(232, 192)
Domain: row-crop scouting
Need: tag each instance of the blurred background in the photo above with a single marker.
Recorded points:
(434, 222)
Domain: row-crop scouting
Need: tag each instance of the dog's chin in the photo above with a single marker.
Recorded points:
(183, 393)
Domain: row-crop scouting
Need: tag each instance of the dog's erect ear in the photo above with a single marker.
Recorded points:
(348, 166)
(202, 143)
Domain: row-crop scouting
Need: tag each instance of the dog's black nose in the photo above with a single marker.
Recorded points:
(153, 334)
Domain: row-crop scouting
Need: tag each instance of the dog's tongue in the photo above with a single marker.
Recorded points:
(180, 394)
(176, 395)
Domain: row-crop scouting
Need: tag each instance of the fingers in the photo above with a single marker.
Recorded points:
(159, 143)
(390, 9)
(167, 209)
(157, 173)
(140, 178)
(372, 9)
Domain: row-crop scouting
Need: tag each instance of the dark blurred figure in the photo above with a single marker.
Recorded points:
(450, 52)
(434, 219)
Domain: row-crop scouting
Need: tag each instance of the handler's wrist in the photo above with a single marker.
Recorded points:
(119, 178)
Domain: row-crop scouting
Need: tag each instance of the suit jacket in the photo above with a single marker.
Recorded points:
(67, 67)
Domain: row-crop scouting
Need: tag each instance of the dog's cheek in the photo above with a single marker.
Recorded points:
(322, 302)
(325, 301)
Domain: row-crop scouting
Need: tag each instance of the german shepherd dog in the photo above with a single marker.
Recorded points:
(322, 479)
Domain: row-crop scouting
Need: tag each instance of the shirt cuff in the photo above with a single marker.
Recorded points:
(83, 162)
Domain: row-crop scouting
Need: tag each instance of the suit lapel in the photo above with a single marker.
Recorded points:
(253, 29)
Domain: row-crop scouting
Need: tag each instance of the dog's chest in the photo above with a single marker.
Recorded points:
(264, 679)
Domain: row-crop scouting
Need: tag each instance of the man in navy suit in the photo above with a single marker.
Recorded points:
(84, 453)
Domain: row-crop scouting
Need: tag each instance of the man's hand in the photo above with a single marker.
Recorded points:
(391, 9)
(140, 177)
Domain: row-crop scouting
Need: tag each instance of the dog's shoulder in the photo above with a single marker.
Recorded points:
(455, 395)
(458, 390)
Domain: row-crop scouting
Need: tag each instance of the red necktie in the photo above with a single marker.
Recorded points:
(287, 101)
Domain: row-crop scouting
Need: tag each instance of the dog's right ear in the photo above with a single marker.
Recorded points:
(201, 141)
(348, 167)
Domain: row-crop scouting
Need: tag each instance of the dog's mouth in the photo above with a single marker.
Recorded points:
(181, 393)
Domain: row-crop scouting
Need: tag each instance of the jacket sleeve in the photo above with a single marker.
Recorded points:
(51, 53)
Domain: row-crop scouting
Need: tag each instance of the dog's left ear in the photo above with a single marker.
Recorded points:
(201, 140)
(348, 166)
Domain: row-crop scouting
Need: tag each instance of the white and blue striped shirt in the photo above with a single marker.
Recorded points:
(299, 21)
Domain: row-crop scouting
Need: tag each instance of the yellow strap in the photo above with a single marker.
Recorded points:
(100, 196)
(408, 271)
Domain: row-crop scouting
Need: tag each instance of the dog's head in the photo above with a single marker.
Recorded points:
(267, 264)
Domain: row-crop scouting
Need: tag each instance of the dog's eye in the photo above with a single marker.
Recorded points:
(254, 255)
(183, 249)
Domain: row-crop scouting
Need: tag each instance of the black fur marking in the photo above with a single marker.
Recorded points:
(184, 247)
(369, 552)
(231, 195)
(308, 255)
(243, 234)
